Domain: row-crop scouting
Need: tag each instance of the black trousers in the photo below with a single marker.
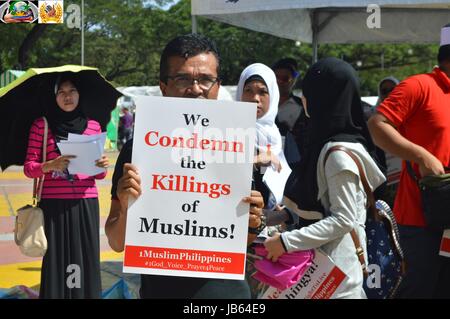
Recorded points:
(427, 273)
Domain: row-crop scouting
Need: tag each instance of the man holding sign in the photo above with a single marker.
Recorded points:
(189, 68)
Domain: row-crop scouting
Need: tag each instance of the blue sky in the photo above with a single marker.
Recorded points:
(166, 6)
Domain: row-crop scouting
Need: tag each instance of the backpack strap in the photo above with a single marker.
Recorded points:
(370, 200)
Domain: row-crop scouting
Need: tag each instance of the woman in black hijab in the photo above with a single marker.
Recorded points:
(71, 265)
(63, 119)
(332, 101)
(331, 90)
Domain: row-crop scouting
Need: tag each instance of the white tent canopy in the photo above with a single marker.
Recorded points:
(333, 21)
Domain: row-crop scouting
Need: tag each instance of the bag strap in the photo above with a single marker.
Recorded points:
(414, 175)
(38, 183)
(370, 200)
(411, 172)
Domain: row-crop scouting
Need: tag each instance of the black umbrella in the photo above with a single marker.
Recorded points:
(25, 100)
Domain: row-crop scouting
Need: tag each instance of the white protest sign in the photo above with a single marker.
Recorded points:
(195, 161)
(445, 244)
(394, 168)
(320, 281)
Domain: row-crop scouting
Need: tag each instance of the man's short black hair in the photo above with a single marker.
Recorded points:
(186, 46)
(444, 51)
(288, 64)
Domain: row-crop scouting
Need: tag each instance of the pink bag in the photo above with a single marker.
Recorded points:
(288, 269)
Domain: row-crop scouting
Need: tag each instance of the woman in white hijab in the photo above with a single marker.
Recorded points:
(258, 84)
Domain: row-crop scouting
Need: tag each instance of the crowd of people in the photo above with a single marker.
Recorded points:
(410, 121)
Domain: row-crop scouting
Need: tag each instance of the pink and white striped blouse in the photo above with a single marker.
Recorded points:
(82, 186)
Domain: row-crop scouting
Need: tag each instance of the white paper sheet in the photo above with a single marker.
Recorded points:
(101, 138)
(276, 181)
(86, 154)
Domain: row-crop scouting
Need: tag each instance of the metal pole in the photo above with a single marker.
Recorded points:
(315, 43)
(315, 48)
(194, 23)
(82, 32)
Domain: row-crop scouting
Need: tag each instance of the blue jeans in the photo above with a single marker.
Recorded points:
(427, 273)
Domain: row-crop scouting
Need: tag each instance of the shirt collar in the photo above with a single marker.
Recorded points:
(442, 78)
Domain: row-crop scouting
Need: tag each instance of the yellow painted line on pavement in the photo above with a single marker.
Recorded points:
(29, 273)
(4, 206)
(19, 200)
(110, 255)
(104, 199)
(13, 175)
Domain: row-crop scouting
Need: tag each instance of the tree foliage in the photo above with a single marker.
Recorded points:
(124, 39)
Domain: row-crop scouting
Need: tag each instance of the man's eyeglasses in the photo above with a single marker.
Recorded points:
(183, 82)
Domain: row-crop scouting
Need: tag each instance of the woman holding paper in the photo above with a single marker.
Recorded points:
(258, 84)
(71, 265)
(332, 187)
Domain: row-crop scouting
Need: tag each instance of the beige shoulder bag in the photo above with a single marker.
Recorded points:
(29, 232)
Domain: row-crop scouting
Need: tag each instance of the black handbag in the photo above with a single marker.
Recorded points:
(435, 192)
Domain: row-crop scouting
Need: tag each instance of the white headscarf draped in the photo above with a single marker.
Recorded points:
(266, 130)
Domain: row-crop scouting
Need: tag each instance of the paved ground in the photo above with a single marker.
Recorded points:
(16, 269)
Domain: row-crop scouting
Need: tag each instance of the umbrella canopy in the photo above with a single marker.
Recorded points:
(333, 21)
(25, 99)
